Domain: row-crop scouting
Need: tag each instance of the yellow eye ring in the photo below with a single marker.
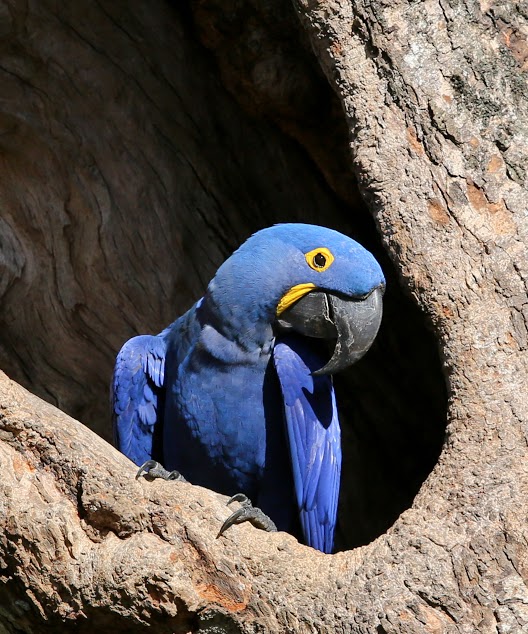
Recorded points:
(319, 259)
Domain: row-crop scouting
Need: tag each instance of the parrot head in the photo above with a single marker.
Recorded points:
(303, 278)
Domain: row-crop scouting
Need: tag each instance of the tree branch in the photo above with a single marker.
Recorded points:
(84, 545)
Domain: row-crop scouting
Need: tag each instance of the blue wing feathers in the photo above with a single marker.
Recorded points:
(154, 364)
(310, 415)
(314, 438)
(137, 391)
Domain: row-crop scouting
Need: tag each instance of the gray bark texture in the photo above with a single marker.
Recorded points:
(140, 143)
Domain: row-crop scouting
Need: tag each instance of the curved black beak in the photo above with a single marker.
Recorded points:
(354, 323)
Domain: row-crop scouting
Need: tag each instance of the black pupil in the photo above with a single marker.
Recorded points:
(319, 260)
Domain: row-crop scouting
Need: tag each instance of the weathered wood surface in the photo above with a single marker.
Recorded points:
(434, 95)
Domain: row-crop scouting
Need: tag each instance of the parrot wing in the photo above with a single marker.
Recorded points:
(314, 438)
(137, 397)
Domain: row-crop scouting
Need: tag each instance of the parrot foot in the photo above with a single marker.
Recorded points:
(247, 513)
(154, 470)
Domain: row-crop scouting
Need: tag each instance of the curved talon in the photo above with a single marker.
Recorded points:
(176, 475)
(154, 470)
(247, 513)
(146, 467)
(240, 497)
(234, 518)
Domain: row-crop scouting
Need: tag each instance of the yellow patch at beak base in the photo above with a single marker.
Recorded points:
(294, 294)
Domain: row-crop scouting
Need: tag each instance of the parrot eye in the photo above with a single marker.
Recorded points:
(319, 259)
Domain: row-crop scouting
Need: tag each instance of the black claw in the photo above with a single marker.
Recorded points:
(153, 470)
(240, 497)
(247, 513)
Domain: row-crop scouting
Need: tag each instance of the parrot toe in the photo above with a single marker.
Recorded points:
(247, 513)
(153, 470)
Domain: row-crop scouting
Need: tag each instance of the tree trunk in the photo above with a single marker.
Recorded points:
(133, 161)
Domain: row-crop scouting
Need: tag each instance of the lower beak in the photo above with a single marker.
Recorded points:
(354, 323)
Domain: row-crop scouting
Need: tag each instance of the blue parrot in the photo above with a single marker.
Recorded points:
(236, 395)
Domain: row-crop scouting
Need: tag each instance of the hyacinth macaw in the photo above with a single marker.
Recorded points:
(236, 394)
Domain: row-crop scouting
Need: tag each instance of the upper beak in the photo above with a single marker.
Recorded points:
(353, 322)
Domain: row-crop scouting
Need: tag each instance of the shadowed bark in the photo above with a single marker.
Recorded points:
(133, 162)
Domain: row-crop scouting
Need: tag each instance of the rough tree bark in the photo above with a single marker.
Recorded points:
(434, 96)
